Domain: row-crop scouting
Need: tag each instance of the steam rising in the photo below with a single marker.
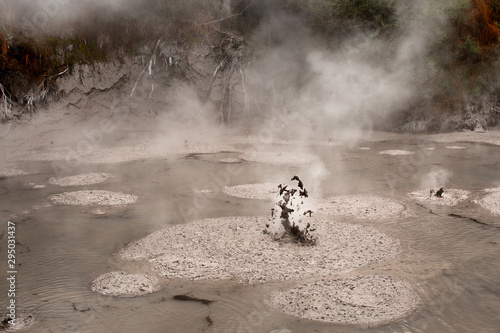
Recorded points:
(436, 178)
(358, 82)
(297, 87)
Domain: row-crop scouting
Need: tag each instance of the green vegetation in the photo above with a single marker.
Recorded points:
(33, 54)
(457, 69)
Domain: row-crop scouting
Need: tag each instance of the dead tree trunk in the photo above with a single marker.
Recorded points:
(225, 104)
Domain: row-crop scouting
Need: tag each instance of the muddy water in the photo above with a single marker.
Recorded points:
(452, 261)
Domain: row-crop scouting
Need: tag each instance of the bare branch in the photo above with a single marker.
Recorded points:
(225, 18)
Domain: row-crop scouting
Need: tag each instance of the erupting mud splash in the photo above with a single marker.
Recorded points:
(138, 103)
(353, 275)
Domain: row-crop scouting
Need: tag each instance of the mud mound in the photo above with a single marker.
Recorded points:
(360, 206)
(123, 284)
(78, 180)
(491, 201)
(278, 157)
(235, 248)
(360, 300)
(34, 186)
(93, 197)
(12, 172)
(396, 152)
(451, 197)
(230, 160)
(456, 147)
(252, 191)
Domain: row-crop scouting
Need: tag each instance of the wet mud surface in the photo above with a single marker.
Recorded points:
(438, 261)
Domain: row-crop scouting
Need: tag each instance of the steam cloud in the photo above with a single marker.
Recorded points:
(357, 83)
(436, 178)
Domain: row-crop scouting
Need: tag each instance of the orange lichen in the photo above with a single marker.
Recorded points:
(482, 25)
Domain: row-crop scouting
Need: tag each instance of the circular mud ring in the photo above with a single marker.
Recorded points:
(13, 172)
(230, 160)
(235, 248)
(253, 191)
(360, 206)
(93, 198)
(35, 186)
(278, 157)
(360, 300)
(396, 152)
(79, 180)
(491, 201)
(451, 197)
(123, 284)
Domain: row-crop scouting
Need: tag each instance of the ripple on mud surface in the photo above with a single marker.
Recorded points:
(123, 284)
(235, 248)
(82, 179)
(360, 206)
(103, 155)
(278, 157)
(93, 197)
(451, 197)
(360, 300)
(126, 153)
(253, 191)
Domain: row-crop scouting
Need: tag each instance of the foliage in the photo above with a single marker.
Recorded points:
(459, 64)
(477, 35)
(332, 17)
(32, 56)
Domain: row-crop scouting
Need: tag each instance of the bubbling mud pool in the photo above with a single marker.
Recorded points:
(437, 264)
